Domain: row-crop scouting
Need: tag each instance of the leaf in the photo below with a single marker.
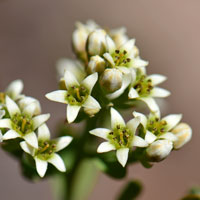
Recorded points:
(130, 191)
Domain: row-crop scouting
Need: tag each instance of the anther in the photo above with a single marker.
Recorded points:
(117, 51)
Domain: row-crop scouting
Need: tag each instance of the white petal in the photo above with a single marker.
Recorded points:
(31, 139)
(133, 94)
(5, 123)
(30, 109)
(41, 166)
(57, 161)
(122, 156)
(39, 120)
(101, 132)
(128, 46)
(125, 83)
(1, 136)
(151, 103)
(172, 120)
(109, 58)
(159, 92)
(168, 136)
(91, 106)
(116, 118)
(12, 106)
(2, 113)
(133, 124)
(110, 45)
(105, 147)
(139, 142)
(14, 89)
(157, 79)
(143, 119)
(62, 142)
(150, 137)
(138, 63)
(123, 69)
(11, 134)
(43, 132)
(58, 96)
(70, 79)
(72, 112)
(90, 81)
(27, 148)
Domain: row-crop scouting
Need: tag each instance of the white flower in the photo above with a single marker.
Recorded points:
(159, 150)
(96, 64)
(21, 123)
(123, 57)
(120, 138)
(145, 88)
(74, 66)
(183, 132)
(77, 95)
(13, 90)
(156, 128)
(47, 150)
(80, 35)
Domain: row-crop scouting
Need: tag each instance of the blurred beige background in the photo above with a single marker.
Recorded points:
(34, 34)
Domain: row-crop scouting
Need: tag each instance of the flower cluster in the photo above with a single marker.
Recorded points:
(20, 117)
(109, 72)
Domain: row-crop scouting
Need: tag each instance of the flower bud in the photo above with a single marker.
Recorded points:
(111, 80)
(96, 42)
(159, 150)
(183, 132)
(96, 64)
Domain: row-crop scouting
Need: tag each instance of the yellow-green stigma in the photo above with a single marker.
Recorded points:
(143, 85)
(22, 124)
(46, 149)
(157, 126)
(121, 58)
(2, 98)
(77, 95)
(120, 137)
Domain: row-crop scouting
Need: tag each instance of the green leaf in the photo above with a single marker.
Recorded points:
(84, 180)
(130, 191)
(192, 197)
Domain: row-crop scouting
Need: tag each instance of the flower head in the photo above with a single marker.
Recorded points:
(22, 123)
(47, 150)
(121, 137)
(77, 95)
(145, 88)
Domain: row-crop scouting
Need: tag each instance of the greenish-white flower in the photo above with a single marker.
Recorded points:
(145, 88)
(96, 64)
(22, 123)
(47, 150)
(121, 137)
(183, 133)
(77, 95)
(159, 150)
(156, 128)
(124, 58)
(13, 90)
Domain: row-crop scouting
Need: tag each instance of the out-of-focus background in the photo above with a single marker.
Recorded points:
(35, 33)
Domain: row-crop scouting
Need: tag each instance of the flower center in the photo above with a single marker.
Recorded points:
(2, 98)
(77, 95)
(143, 85)
(46, 149)
(21, 123)
(120, 137)
(120, 58)
(156, 126)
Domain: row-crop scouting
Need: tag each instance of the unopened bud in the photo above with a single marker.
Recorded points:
(111, 80)
(183, 132)
(159, 150)
(96, 42)
(96, 64)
